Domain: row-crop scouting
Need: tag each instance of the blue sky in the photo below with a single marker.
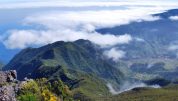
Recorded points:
(27, 23)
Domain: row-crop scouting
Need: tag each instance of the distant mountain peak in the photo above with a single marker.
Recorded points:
(167, 14)
(82, 41)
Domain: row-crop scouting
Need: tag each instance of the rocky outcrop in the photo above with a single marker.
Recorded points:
(8, 85)
(7, 76)
(7, 93)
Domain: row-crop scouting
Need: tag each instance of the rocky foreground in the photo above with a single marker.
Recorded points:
(8, 85)
(12, 89)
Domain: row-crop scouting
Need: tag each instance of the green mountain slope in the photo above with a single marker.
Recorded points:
(79, 82)
(80, 55)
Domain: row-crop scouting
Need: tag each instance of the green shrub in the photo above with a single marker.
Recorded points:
(27, 97)
(29, 91)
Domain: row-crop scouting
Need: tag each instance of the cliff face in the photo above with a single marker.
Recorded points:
(7, 85)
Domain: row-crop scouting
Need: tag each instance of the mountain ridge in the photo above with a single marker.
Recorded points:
(80, 55)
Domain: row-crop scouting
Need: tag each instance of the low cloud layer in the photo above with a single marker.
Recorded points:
(174, 18)
(114, 54)
(173, 47)
(25, 38)
(127, 86)
(71, 25)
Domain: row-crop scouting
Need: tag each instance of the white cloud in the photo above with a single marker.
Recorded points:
(111, 89)
(103, 18)
(173, 47)
(127, 86)
(72, 25)
(24, 38)
(114, 54)
(139, 39)
(174, 18)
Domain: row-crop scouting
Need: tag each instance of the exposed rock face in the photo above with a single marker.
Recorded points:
(7, 93)
(7, 76)
(7, 85)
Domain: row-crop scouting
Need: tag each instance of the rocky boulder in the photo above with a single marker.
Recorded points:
(8, 85)
(7, 76)
(7, 93)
